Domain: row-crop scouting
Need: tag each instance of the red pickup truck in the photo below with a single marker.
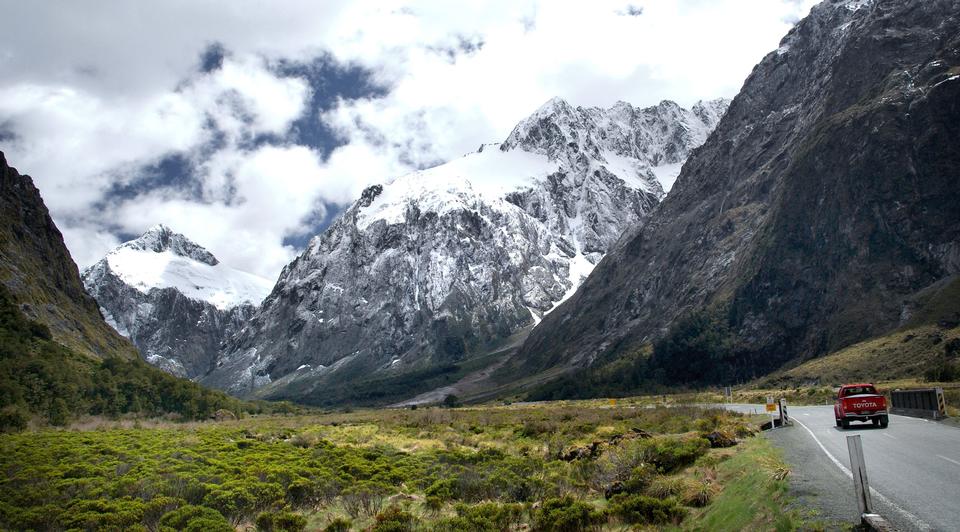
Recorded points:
(860, 402)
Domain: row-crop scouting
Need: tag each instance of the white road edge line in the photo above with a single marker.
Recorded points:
(919, 523)
(951, 460)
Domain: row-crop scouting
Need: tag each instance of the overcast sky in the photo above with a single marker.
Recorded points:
(248, 125)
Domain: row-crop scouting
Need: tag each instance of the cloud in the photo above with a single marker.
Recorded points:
(246, 124)
(438, 108)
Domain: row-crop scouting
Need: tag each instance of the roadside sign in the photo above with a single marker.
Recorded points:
(771, 406)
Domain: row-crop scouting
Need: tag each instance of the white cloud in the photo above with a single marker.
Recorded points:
(76, 144)
(590, 55)
(88, 243)
(91, 103)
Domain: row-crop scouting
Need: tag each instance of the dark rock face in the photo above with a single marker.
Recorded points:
(38, 270)
(432, 268)
(173, 332)
(828, 194)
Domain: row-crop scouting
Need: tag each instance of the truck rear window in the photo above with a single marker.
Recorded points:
(858, 390)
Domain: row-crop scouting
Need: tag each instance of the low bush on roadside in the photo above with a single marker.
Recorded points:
(195, 518)
(641, 509)
(566, 514)
(669, 453)
(393, 519)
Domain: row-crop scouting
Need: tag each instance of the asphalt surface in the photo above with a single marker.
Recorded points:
(913, 467)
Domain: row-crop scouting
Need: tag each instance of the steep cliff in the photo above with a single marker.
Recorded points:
(38, 271)
(826, 198)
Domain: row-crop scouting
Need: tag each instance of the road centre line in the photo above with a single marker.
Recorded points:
(919, 523)
(951, 460)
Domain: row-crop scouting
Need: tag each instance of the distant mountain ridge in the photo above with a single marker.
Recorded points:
(430, 269)
(173, 299)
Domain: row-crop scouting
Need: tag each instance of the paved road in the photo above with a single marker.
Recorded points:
(913, 467)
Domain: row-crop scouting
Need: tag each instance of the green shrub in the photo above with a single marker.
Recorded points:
(640, 478)
(640, 509)
(13, 419)
(565, 514)
(433, 503)
(238, 500)
(281, 522)
(451, 401)
(365, 498)
(671, 453)
(102, 514)
(339, 524)
(460, 524)
(264, 522)
(157, 507)
(444, 490)
(393, 519)
(196, 518)
(489, 516)
(289, 522)
(46, 517)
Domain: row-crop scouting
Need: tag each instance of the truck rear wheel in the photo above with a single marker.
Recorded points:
(845, 423)
(838, 422)
(884, 421)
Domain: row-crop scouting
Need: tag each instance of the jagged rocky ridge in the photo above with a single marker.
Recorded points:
(173, 299)
(827, 196)
(433, 267)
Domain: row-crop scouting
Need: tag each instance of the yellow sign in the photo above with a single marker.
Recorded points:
(771, 408)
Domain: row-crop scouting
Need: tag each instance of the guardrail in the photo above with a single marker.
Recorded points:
(925, 402)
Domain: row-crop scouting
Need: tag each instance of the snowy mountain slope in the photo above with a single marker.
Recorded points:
(148, 262)
(433, 267)
(173, 298)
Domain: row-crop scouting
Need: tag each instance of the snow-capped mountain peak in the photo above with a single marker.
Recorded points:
(162, 258)
(173, 298)
(161, 238)
(642, 146)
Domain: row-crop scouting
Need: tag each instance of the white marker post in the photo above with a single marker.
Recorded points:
(859, 469)
(784, 418)
(772, 408)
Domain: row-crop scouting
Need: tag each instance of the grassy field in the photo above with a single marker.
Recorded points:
(550, 466)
